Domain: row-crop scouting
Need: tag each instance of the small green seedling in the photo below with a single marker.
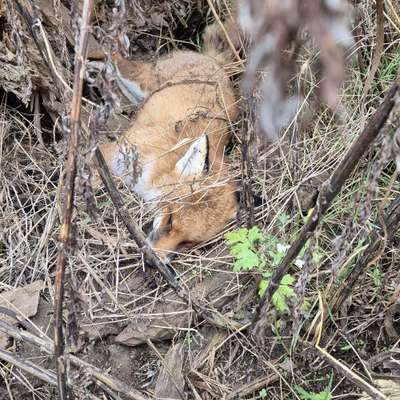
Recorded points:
(243, 245)
(326, 394)
(376, 276)
(283, 293)
(262, 394)
(304, 395)
(247, 247)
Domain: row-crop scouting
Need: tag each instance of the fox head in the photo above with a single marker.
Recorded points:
(201, 205)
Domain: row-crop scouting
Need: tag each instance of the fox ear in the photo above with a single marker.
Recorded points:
(195, 161)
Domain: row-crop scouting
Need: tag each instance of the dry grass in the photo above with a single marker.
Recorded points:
(106, 262)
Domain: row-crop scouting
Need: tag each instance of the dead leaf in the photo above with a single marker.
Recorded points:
(24, 301)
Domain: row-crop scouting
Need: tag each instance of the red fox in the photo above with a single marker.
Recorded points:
(179, 135)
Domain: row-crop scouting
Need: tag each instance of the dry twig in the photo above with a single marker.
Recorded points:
(69, 193)
(351, 375)
(378, 51)
(27, 366)
(249, 154)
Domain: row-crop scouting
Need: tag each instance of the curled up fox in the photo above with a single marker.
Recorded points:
(179, 135)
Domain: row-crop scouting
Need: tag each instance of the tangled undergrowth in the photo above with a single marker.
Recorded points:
(123, 318)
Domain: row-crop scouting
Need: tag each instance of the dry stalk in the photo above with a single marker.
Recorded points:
(27, 366)
(253, 386)
(379, 47)
(356, 379)
(69, 193)
(328, 192)
(29, 21)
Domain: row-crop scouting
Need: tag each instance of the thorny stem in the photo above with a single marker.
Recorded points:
(69, 189)
(328, 192)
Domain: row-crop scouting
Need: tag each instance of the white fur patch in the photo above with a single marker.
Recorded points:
(143, 188)
(122, 166)
(193, 162)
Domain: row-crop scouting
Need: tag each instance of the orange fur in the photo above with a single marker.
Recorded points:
(187, 95)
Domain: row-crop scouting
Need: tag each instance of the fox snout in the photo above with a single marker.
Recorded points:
(196, 221)
(163, 238)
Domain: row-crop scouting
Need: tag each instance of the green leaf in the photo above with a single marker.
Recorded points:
(278, 300)
(284, 291)
(242, 246)
(304, 395)
(283, 219)
(263, 393)
(254, 235)
(262, 287)
(236, 236)
(246, 261)
(238, 248)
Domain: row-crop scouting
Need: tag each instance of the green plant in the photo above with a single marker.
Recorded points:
(263, 252)
(376, 276)
(358, 344)
(326, 394)
(304, 395)
(262, 394)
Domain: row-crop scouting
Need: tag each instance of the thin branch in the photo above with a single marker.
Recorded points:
(221, 25)
(328, 192)
(356, 379)
(253, 386)
(69, 192)
(378, 51)
(134, 229)
(45, 345)
(27, 366)
(113, 383)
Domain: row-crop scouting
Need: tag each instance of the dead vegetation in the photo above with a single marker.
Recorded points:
(187, 331)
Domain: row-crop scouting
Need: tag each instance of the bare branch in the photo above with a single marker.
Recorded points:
(69, 192)
(356, 379)
(27, 366)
